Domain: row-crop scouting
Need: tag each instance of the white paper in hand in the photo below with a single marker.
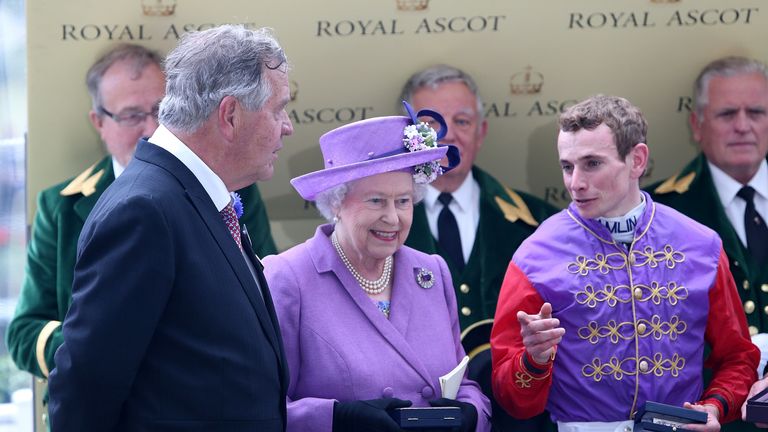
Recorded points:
(450, 382)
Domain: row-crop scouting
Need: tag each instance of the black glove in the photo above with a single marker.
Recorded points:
(367, 416)
(468, 412)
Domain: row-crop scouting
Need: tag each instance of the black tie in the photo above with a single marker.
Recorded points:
(448, 232)
(754, 225)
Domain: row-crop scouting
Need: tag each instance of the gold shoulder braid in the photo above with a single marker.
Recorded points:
(518, 210)
(85, 183)
(675, 184)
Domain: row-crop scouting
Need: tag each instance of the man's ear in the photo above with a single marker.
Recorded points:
(695, 122)
(96, 120)
(638, 158)
(483, 131)
(226, 116)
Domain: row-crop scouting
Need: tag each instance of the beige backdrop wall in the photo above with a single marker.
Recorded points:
(350, 58)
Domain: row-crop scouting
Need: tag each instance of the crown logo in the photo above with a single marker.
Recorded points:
(158, 7)
(293, 90)
(527, 81)
(412, 5)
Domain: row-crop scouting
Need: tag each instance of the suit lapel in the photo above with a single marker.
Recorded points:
(274, 331)
(229, 248)
(403, 311)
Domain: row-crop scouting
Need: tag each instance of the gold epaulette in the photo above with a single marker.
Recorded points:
(85, 183)
(517, 209)
(675, 184)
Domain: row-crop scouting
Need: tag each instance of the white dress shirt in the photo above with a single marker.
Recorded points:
(465, 207)
(211, 182)
(727, 188)
(117, 168)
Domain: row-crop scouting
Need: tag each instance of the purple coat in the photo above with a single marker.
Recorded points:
(341, 348)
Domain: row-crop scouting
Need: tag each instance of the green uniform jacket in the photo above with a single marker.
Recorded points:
(507, 217)
(34, 334)
(693, 193)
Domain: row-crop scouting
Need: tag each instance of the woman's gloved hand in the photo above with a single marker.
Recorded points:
(367, 415)
(468, 412)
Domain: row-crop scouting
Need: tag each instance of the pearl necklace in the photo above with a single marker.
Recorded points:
(372, 287)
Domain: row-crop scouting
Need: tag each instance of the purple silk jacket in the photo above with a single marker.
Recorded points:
(340, 347)
(656, 327)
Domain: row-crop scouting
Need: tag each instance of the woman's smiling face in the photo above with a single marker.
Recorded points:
(375, 216)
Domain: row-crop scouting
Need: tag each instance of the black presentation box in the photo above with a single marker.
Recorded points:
(757, 408)
(656, 416)
(427, 417)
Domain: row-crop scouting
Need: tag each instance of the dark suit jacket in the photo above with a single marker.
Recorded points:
(167, 330)
(47, 289)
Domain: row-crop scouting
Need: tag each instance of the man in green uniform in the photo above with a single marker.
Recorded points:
(468, 217)
(126, 85)
(726, 186)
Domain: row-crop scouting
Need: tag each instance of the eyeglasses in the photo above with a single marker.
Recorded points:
(131, 118)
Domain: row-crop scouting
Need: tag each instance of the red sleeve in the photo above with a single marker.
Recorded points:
(734, 358)
(520, 385)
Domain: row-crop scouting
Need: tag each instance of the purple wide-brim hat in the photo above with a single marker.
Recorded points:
(362, 149)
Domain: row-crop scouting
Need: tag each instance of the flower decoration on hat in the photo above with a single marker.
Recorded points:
(237, 203)
(420, 136)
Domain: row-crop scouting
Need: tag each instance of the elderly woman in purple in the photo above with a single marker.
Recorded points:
(369, 325)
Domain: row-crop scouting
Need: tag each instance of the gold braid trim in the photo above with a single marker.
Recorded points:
(42, 339)
(658, 366)
(523, 378)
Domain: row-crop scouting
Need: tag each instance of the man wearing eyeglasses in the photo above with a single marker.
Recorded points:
(126, 85)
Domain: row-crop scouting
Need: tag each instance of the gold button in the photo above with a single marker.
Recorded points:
(464, 288)
(749, 306)
(466, 311)
(764, 287)
(745, 284)
(765, 309)
(752, 330)
(638, 293)
(643, 366)
(641, 328)
(632, 259)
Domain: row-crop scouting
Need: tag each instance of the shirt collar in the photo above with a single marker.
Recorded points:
(211, 182)
(117, 167)
(462, 196)
(727, 187)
